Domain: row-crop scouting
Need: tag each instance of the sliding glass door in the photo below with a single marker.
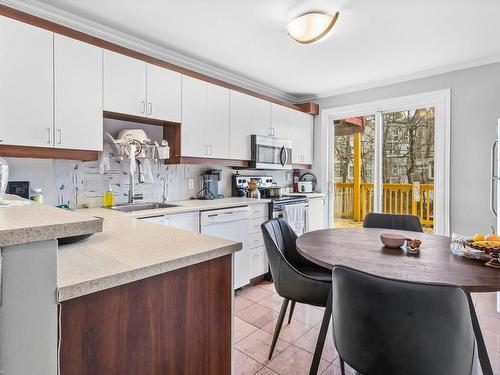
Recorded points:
(389, 160)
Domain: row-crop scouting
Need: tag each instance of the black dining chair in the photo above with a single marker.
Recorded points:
(296, 279)
(392, 327)
(392, 221)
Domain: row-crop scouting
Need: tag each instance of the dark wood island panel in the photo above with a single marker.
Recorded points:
(174, 323)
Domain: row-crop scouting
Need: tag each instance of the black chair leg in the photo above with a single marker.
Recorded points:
(292, 307)
(279, 323)
(322, 335)
(342, 366)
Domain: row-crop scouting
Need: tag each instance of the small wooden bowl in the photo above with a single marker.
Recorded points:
(392, 240)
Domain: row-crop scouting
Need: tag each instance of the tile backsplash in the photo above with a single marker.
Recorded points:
(79, 183)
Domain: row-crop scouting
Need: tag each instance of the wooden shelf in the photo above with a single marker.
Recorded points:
(206, 161)
(47, 153)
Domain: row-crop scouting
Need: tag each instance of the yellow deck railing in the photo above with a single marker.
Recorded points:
(396, 199)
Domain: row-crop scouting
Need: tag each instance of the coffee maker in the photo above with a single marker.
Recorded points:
(210, 184)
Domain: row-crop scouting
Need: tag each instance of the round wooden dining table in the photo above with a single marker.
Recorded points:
(362, 249)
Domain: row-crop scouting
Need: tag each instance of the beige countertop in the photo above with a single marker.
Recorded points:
(128, 249)
(32, 222)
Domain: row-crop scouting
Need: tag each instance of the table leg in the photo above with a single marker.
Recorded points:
(484, 359)
(322, 335)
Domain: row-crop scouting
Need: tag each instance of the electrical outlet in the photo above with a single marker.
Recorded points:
(288, 176)
(191, 183)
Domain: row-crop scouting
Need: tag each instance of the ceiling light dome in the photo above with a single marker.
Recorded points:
(311, 27)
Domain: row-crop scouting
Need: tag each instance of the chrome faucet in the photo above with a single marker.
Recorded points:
(164, 196)
(132, 196)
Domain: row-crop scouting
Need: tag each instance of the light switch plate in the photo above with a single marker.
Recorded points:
(191, 183)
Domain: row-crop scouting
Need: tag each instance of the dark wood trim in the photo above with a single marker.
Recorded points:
(259, 279)
(47, 153)
(138, 119)
(309, 107)
(178, 322)
(206, 161)
(66, 31)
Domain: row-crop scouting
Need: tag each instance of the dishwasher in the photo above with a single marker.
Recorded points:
(231, 224)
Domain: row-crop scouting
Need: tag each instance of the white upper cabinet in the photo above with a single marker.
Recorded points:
(301, 134)
(26, 81)
(124, 84)
(241, 126)
(163, 93)
(136, 88)
(217, 126)
(279, 121)
(205, 119)
(78, 94)
(194, 117)
(248, 115)
(261, 116)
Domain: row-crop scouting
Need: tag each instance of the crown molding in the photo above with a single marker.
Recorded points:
(92, 28)
(403, 78)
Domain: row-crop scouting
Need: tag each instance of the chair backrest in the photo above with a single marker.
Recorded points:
(281, 250)
(392, 221)
(391, 327)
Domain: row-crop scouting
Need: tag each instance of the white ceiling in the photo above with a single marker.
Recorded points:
(373, 42)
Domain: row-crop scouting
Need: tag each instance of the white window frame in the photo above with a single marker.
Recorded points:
(440, 101)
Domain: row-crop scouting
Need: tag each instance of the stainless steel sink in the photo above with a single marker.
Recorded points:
(132, 207)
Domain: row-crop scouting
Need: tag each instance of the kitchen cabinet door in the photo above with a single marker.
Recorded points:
(217, 124)
(261, 116)
(248, 115)
(124, 84)
(163, 93)
(301, 134)
(78, 94)
(194, 118)
(187, 221)
(241, 125)
(279, 121)
(26, 80)
(316, 214)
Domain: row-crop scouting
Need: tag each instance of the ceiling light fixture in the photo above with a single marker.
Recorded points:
(311, 27)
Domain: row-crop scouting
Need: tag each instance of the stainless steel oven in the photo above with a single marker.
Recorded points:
(276, 207)
(271, 153)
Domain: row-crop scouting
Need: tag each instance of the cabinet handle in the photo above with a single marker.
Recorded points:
(206, 149)
(59, 133)
(143, 107)
(49, 139)
(274, 131)
(211, 149)
(150, 108)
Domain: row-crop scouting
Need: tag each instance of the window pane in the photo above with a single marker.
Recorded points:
(354, 156)
(408, 164)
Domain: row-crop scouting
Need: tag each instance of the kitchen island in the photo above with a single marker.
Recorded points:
(136, 297)
(147, 298)
(28, 282)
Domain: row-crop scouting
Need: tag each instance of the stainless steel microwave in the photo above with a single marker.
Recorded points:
(270, 153)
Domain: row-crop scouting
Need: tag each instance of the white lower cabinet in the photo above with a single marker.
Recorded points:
(28, 308)
(258, 257)
(316, 214)
(187, 221)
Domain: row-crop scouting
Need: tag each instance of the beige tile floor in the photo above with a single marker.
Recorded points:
(256, 312)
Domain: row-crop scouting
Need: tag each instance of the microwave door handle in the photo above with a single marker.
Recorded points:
(286, 155)
(281, 156)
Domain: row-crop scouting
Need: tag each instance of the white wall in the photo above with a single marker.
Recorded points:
(475, 109)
